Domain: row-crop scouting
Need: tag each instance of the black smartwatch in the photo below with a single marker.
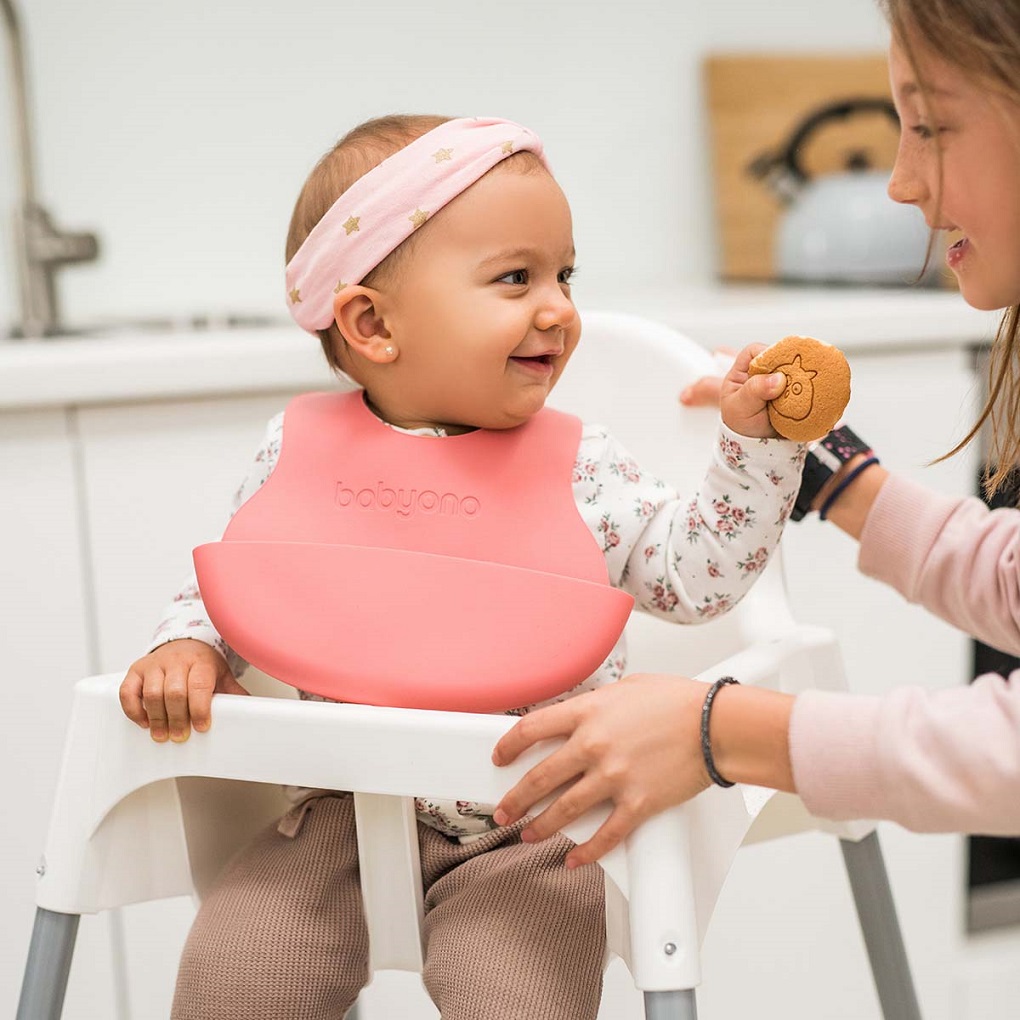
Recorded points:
(824, 458)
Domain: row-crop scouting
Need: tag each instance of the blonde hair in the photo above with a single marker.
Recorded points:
(982, 39)
(362, 149)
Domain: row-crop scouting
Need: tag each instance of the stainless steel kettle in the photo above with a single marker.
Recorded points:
(841, 227)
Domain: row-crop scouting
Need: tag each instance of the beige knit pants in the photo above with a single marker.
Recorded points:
(510, 933)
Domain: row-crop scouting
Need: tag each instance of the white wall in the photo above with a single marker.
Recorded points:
(182, 131)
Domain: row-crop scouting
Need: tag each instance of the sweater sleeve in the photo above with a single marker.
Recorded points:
(955, 557)
(186, 616)
(943, 761)
(690, 557)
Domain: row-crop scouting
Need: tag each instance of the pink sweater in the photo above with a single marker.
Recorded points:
(935, 762)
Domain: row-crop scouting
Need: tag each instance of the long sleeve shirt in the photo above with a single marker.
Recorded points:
(933, 761)
(686, 558)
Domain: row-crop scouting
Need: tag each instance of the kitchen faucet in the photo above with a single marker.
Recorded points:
(40, 248)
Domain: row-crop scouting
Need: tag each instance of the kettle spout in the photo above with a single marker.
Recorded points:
(773, 170)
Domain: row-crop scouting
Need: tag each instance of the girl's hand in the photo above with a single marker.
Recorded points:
(635, 743)
(170, 690)
(742, 398)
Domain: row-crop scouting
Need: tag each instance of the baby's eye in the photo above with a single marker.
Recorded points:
(923, 131)
(567, 274)
(519, 277)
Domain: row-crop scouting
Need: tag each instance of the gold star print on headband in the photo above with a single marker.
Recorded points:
(442, 154)
(508, 147)
(351, 224)
(418, 217)
(295, 296)
(339, 287)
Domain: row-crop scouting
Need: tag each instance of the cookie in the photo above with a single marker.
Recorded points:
(817, 386)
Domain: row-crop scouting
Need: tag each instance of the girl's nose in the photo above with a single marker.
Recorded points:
(905, 184)
(898, 190)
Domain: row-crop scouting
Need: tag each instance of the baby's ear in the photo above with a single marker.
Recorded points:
(357, 317)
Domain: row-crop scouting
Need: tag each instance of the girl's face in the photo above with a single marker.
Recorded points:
(480, 314)
(976, 135)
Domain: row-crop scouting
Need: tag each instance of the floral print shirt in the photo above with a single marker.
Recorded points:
(686, 558)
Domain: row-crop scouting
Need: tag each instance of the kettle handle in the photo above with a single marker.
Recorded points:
(788, 154)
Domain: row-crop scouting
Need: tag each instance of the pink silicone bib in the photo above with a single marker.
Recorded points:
(391, 569)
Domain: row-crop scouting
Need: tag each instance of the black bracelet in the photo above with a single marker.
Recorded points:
(841, 488)
(706, 744)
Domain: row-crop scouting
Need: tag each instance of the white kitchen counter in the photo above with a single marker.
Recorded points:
(153, 365)
(138, 365)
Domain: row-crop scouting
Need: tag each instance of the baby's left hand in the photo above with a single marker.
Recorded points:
(742, 398)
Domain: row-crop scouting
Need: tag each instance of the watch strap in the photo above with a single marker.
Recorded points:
(823, 459)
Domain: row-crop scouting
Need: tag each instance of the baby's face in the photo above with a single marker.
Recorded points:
(960, 128)
(480, 313)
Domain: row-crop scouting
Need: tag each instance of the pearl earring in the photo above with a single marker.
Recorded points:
(389, 350)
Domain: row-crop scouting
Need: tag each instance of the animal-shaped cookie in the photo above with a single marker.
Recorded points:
(817, 386)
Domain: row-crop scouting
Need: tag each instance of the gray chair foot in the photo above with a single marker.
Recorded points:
(876, 911)
(49, 963)
(675, 1005)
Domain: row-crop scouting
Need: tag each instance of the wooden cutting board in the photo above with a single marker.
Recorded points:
(755, 103)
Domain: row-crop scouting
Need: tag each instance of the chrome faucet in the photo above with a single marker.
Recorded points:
(40, 248)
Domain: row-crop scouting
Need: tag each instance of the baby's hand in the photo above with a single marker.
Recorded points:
(170, 690)
(742, 398)
(704, 392)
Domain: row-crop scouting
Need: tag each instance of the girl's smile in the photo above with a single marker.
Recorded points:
(956, 253)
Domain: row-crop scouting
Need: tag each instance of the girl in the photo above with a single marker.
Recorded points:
(935, 762)
(433, 258)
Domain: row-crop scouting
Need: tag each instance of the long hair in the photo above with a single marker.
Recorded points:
(982, 39)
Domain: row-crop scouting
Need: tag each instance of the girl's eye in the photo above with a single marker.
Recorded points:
(519, 277)
(567, 274)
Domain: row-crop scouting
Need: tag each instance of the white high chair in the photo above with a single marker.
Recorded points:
(135, 821)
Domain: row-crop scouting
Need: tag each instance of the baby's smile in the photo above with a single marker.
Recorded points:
(538, 363)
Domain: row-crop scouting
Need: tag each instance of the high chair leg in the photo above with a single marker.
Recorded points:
(877, 913)
(675, 1005)
(48, 964)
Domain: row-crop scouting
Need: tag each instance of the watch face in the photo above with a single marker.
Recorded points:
(843, 443)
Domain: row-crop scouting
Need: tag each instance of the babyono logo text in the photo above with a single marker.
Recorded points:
(406, 502)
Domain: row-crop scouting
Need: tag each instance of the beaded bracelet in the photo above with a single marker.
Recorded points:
(706, 744)
(841, 488)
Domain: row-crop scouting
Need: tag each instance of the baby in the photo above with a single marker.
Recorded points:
(433, 258)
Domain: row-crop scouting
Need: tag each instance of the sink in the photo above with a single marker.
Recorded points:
(185, 324)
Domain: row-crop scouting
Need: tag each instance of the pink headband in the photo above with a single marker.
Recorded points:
(385, 206)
